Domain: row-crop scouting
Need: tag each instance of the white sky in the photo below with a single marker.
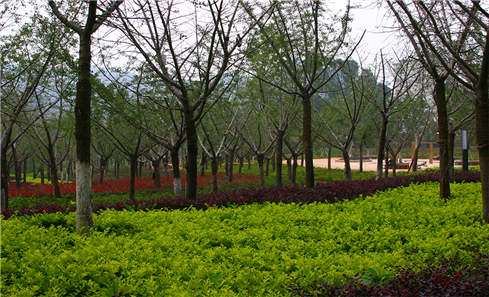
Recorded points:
(368, 15)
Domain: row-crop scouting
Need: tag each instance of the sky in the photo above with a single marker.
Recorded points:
(368, 15)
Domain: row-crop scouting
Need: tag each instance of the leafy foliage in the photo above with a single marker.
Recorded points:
(251, 250)
(431, 280)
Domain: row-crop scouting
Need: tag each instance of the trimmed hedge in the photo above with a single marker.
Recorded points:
(329, 192)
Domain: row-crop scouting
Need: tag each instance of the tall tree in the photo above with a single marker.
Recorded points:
(84, 220)
(191, 63)
(306, 49)
(455, 38)
(22, 67)
(398, 77)
(342, 109)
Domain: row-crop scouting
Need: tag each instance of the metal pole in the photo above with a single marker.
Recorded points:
(465, 151)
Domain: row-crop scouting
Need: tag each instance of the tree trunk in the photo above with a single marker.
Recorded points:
(156, 172)
(60, 168)
(307, 140)
(34, 171)
(177, 183)
(42, 174)
(240, 168)
(140, 169)
(84, 220)
(381, 147)
(346, 159)
(267, 166)
(394, 164)
(4, 179)
(451, 161)
(249, 162)
(482, 129)
(115, 168)
(226, 165)
(278, 158)
(361, 155)
(16, 167)
(274, 157)
(165, 166)
(415, 161)
(294, 169)
(329, 158)
(192, 151)
(214, 163)
(289, 169)
(386, 156)
(441, 108)
(133, 161)
(53, 170)
(231, 169)
(260, 160)
(103, 165)
(202, 163)
(25, 171)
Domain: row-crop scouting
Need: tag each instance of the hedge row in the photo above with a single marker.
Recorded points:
(329, 192)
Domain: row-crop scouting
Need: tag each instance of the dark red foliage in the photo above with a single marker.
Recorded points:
(329, 192)
(433, 281)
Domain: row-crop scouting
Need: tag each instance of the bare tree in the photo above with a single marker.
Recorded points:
(454, 39)
(256, 135)
(20, 76)
(190, 63)
(427, 57)
(343, 109)
(217, 137)
(403, 73)
(306, 52)
(84, 220)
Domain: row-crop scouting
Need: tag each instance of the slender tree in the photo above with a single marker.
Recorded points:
(191, 64)
(305, 51)
(84, 220)
(342, 110)
(453, 39)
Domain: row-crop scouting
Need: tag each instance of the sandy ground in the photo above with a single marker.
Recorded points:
(369, 165)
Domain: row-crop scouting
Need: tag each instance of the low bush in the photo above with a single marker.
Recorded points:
(251, 250)
(323, 192)
(429, 280)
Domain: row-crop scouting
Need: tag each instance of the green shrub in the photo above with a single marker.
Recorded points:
(250, 250)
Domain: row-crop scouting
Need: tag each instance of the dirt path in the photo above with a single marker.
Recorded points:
(369, 165)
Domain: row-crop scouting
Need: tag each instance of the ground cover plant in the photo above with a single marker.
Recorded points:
(433, 279)
(330, 192)
(250, 250)
(121, 185)
(248, 179)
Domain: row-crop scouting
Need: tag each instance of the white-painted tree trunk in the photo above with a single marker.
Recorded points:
(84, 220)
(177, 187)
